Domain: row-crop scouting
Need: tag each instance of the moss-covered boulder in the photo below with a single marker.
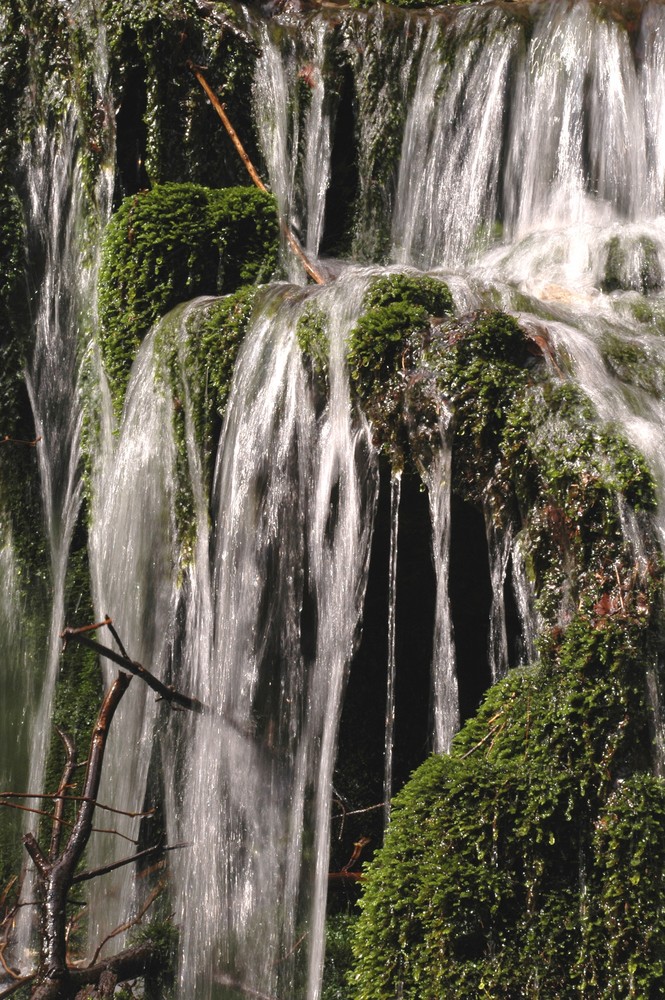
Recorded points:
(174, 243)
(515, 866)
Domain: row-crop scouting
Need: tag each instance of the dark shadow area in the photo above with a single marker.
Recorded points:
(343, 186)
(131, 135)
(470, 603)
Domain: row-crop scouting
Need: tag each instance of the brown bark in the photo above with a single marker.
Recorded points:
(311, 270)
(165, 691)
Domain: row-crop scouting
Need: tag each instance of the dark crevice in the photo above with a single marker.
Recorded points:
(470, 603)
(343, 187)
(131, 135)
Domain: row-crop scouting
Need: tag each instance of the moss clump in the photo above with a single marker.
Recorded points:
(501, 875)
(339, 956)
(171, 244)
(384, 350)
(166, 129)
(632, 265)
(312, 334)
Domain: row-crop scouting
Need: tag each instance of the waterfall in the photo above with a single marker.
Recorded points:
(292, 102)
(517, 154)
(294, 495)
(133, 565)
(60, 221)
(444, 678)
(395, 494)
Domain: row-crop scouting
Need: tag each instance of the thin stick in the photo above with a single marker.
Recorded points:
(17, 985)
(10, 440)
(130, 923)
(74, 798)
(95, 872)
(65, 782)
(251, 170)
(165, 691)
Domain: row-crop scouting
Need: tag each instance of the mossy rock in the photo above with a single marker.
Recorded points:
(500, 876)
(632, 265)
(506, 868)
(171, 244)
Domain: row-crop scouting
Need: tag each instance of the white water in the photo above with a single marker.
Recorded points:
(132, 546)
(520, 160)
(294, 498)
(395, 495)
(444, 676)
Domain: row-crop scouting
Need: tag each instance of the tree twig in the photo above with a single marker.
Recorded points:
(311, 270)
(105, 869)
(65, 782)
(129, 923)
(166, 691)
(74, 798)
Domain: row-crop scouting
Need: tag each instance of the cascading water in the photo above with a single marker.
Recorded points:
(395, 495)
(295, 491)
(527, 168)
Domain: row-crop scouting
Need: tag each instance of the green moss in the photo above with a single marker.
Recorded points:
(312, 334)
(394, 307)
(165, 121)
(494, 877)
(633, 264)
(172, 244)
(339, 956)
(499, 876)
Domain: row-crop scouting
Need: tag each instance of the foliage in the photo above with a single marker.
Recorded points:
(494, 878)
(339, 956)
(632, 264)
(507, 863)
(171, 244)
(167, 130)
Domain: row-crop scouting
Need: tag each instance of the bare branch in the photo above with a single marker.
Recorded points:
(28, 444)
(65, 782)
(251, 170)
(165, 691)
(17, 985)
(129, 923)
(148, 852)
(37, 855)
(73, 798)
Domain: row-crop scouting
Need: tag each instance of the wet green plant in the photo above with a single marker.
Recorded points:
(172, 244)
(501, 872)
(167, 130)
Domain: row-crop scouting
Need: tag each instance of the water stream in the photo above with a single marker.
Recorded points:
(526, 166)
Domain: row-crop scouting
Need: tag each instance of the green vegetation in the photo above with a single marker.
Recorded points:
(172, 244)
(517, 866)
(632, 264)
(167, 130)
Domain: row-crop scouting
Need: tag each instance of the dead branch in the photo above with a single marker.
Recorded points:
(28, 444)
(55, 877)
(165, 691)
(105, 869)
(157, 891)
(19, 984)
(251, 170)
(65, 782)
(73, 798)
